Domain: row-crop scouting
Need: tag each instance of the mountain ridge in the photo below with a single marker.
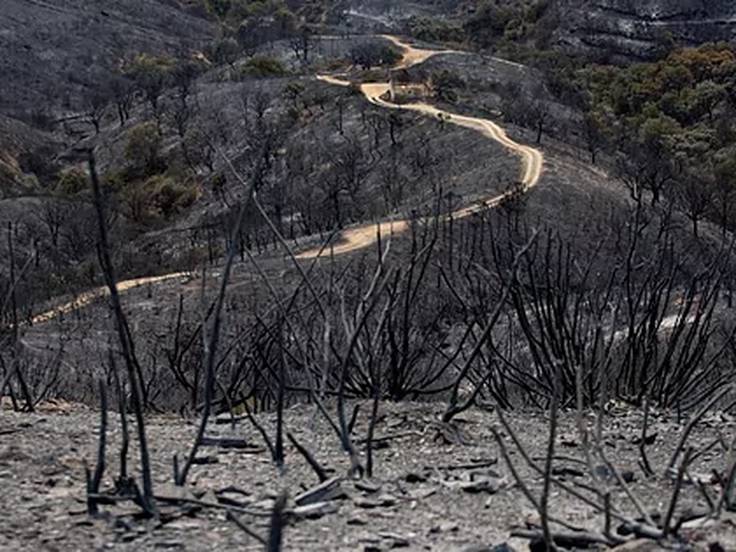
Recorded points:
(622, 30)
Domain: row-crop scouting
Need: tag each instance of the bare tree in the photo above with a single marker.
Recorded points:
(125, 338)
(301, 43)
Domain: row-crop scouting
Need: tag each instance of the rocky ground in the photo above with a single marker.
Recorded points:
(433, 489)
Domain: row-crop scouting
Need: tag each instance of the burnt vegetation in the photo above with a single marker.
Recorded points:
(208, 173)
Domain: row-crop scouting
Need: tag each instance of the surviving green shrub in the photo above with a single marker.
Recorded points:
(372, 54)
(495, 22)
(143, 149)
(198, 149)
(434, 29)
(374, 75)
(226, 50)
(72, 181)
(169, 197)
(151, 75)
(262, 67)
(9, 173)
(445, 84)
(115, 181)
(159, 195)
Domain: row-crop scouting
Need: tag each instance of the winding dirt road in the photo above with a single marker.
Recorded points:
(360, 237)
(84, 299)
(365, 235)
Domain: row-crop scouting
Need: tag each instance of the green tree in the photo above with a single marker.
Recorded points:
(198, 150)
(72, 182)
(725, 188)
(445, 84)
(708, 95)
(647, 162)
(169, 197)
(227, 50)
(489, 23)
(152, 74)
(372, 54)
(694, 189)
(595, 129)
(143, 149)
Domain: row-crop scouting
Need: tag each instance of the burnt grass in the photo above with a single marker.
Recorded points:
(55, 51)
(435, 487)
(420, 498)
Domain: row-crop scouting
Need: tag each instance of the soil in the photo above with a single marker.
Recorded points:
(419, 499)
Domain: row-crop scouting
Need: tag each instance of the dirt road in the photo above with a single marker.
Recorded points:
(365, 235)
(359, 237)
(87, 297)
